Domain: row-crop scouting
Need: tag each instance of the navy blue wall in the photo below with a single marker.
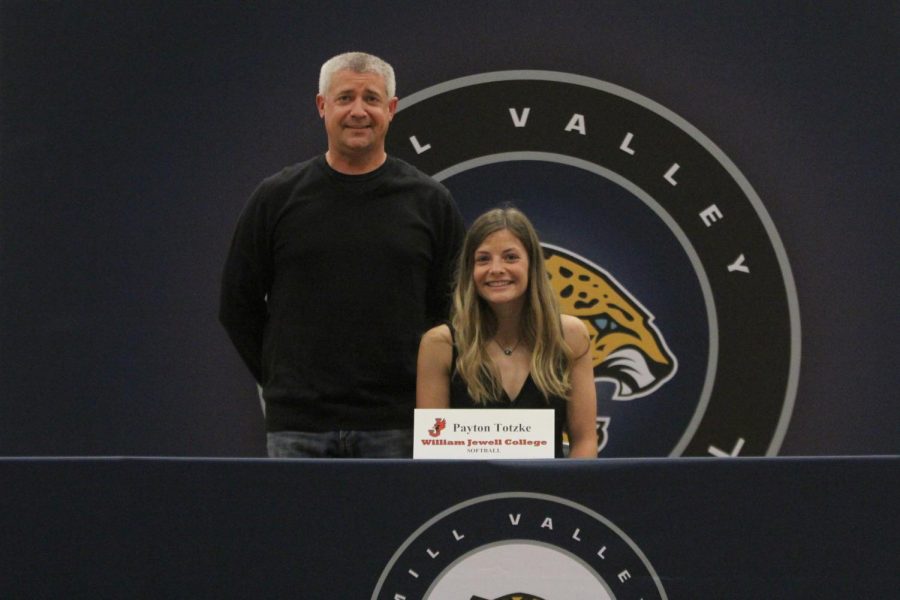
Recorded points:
(133, 133)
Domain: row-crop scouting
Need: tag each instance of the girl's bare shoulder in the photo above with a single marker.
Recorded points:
(575, 333)
(438, 335)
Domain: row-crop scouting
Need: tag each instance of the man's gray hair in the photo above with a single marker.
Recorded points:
(358, 62)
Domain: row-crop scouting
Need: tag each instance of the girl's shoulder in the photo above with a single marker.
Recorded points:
(439, 334)
(572, 324)
(575, 333)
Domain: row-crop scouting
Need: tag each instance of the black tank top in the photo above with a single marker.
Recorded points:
(529, 397)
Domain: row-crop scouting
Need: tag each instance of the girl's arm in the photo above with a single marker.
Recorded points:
(433, 368)
(582, 409)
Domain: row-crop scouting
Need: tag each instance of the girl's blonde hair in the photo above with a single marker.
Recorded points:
(474, 323)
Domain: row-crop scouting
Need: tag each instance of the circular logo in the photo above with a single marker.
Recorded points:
(653, 238)
(521, 546)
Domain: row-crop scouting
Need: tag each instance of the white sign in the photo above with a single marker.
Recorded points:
(454, 433)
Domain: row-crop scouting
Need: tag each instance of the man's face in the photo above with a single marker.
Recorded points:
(356, 110)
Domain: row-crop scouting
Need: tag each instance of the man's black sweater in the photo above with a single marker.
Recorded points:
(330, 282)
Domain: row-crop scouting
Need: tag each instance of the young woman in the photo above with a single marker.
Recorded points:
(507, 345)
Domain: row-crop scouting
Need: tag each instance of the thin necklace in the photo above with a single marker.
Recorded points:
(507, 350)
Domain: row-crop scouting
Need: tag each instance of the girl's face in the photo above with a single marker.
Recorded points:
(501, 269)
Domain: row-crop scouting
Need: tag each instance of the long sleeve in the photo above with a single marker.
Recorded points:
(441, 284)
(246, 281)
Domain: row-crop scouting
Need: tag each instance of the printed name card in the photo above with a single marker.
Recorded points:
(467, 433)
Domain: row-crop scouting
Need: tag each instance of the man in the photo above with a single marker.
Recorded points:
(337, 266)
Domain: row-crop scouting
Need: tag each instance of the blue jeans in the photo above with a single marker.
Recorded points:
(389, 443)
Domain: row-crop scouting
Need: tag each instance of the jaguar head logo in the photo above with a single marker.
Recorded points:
(626, 346)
